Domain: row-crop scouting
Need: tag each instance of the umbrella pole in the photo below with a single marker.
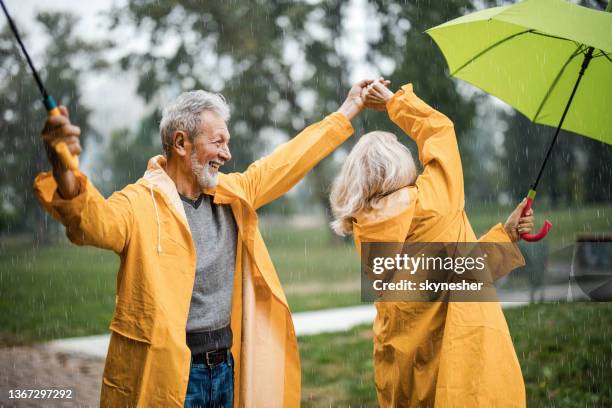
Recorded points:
(532, 191)
(585, 64)
(69, 161)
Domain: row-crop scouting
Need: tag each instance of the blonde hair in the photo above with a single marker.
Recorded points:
(378, 165)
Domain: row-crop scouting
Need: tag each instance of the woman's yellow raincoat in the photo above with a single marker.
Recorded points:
(148, 360)
(437, 354)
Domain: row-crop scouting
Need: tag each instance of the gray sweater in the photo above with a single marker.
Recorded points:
(214, 233)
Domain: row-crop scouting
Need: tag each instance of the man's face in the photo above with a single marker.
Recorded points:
(210, 149)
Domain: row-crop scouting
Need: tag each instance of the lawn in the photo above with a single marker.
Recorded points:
(565, 351)
(61, 290)
(56, 291)
(567, 223)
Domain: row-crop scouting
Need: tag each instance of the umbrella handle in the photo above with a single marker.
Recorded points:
(69, 160)
(545, 228)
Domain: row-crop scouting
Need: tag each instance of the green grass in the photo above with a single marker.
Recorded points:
(62, 290)
(315, 273)
(565, 351)
(567, 222)
(337, 369)
(56, 291)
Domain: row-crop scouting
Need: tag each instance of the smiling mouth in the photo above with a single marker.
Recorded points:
(215, 164)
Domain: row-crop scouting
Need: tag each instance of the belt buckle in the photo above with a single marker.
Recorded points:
(208, 354)
(208, 363)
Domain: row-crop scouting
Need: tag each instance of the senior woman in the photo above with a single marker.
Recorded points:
(427, 354)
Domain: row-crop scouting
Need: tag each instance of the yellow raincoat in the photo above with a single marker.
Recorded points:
(148, 360)
(437, 354)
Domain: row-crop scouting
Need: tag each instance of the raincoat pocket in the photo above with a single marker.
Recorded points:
(124, 370)
(173, 252)
(170, 245)
(136, 320)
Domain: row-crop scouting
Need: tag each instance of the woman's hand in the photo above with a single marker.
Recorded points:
(376, 95)
(516, 225)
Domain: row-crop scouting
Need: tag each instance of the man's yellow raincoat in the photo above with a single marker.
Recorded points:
(437, 354)
(148, 360)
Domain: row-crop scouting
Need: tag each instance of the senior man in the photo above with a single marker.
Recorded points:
(200, 316)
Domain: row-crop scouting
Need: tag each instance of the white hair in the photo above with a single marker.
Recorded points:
(202, 172)
(378, 165)
(185, 114)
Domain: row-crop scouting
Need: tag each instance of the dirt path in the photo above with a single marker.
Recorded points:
(35, 367)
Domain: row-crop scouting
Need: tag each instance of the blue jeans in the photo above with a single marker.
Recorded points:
(211, 387)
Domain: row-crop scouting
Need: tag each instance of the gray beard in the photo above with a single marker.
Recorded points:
(203, 175)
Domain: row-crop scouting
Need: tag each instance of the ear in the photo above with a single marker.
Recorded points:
(179, 143)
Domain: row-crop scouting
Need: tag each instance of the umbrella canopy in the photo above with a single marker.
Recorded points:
(529, 55)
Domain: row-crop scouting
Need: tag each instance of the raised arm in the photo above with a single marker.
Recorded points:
(441, 183)
(272, 176)
(69, 196)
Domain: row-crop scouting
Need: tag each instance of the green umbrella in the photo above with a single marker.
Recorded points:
(540, 56)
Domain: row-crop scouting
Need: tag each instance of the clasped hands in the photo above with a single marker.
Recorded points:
(368, 93)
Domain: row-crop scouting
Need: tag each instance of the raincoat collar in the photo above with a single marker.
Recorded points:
(156, 175)
(389, 221)
(156, 178)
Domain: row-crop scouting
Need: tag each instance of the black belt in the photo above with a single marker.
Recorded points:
(211, 358)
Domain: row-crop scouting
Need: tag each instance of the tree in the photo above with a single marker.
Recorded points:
(284, 63)
(237, 49)
(229, 47)
(412, 55)
(418, 60)
(127, 153)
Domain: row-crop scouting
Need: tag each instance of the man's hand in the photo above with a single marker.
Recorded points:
(376, 95)
(354, 103)
(516, 225)
(59, 129)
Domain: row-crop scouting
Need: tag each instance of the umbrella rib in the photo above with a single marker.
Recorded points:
(605, 54)
(574, 54)
(489, 48)
(551, 36)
